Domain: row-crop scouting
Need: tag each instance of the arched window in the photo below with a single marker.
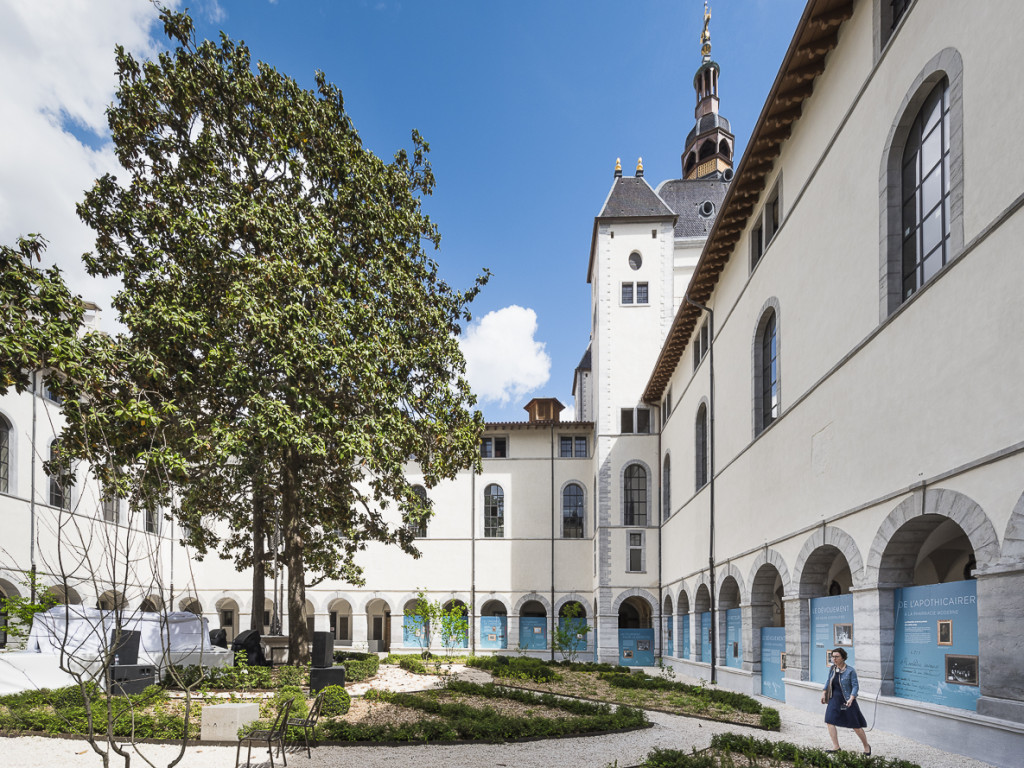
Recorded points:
(925, 192)
(5, 455)
(58, 494)
(701, 447)
(707, 149)
(666, 487)
(421, 527)
(494, 512)
(572, 512)
(766, 372)
(634, 495)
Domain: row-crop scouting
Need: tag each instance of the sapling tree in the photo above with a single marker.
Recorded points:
(570, 632)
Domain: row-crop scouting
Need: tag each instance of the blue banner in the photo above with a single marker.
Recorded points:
(773, 658)
(704, 628)
(533, 633)
(936, 653)
(734, 638)
(415, 632)
(670, 649)
(494, 632)
(686, 635)
(636, 647)
(579, 624)
(831, 627)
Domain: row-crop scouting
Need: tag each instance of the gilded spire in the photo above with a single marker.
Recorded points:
(705, 36)
(639, 166)
(618, 167)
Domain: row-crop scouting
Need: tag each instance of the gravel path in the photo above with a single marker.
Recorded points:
(625, 749)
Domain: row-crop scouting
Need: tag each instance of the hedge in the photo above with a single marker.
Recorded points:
(358, 666)
(737, 701)
(515, 668)
(786, 751)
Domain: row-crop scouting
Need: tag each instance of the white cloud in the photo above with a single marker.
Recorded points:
(57, 69)
(503, 359)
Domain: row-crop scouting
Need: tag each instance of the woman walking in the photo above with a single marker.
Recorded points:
(841, 695)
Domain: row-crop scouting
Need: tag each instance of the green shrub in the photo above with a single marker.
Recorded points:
(336, 701)
(412, 664)
(289, 675)
(357, 670)
(717, 696)
(300, 706)
(770, 719)
(676, 758)
(516, 668)
(777, 751)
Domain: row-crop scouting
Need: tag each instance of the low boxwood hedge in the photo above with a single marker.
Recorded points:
(515, 668)
(737, 701)
(776, 751)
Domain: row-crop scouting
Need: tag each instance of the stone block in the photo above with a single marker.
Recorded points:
(222, 721)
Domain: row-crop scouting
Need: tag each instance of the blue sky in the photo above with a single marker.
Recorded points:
(525, 105)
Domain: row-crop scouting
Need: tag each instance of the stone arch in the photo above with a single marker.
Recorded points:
(1012, 550)
(573, 598)
(495, 598)
(912, 518)
(367, 599)
(809, 562)
(772, 557)
(684, 601)
(731, 571)
(636, 592)
(532, 596)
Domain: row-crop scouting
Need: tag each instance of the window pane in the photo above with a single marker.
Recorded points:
(634, 539)
(565, 447)
(500, 448)
(635, 495)
(931, 151)
(627, 293)
(635, 559)
(931, 190)
(581, 447)
(572, 512)
(931, 234)
(641, 293)
(643, 421)
(486, 448)
(627, 421)
(931, 265)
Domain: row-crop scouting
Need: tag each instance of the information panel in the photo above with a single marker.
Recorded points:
(636, 647)
(494, 632)
(773, 662)
(936, 653)
(670, 649)
(705, 637)
(415, 632)
(734, 638)
(686, 635)
(533, 633)
(831, 627)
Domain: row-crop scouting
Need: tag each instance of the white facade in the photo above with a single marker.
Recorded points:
(880, 448)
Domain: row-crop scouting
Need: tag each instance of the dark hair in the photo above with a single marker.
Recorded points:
(840, 651)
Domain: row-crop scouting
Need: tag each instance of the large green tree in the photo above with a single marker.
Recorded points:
(282, 312)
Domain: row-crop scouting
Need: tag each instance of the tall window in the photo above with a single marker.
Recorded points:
(925, 192)
(58, 494)
(701, 447)
(420, 529)
(152, 520)
(572, 512)
(494, 512)
(767, 373)
(635, 551)
(5, 455)
(110, 507)
(634, 494)
(666, 487)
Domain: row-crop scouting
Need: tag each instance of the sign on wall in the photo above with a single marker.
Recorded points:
(705, 637)
(533, 633)
(936, 645)
(636, 647)
(494, 632)
(578, 624)
(773, 662)
(670, 649)
(686, 635)
(734, 638)
(831, 627)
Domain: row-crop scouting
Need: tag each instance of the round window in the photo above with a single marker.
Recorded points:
(707, 208)
(635, 261)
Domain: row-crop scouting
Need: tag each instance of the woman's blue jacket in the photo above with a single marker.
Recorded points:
(847, 681)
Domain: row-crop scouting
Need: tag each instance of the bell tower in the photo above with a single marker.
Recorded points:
(710, 144)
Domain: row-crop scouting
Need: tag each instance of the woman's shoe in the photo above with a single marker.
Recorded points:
(868, 753)
(831, 751)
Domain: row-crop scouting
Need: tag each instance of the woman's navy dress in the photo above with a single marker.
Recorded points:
(835, 714)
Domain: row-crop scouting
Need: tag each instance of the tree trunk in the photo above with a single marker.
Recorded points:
(298, 637)
(258, 558)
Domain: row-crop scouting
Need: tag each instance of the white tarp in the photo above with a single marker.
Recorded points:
(85, 635)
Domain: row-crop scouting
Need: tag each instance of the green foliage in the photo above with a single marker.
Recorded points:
(770, 719)
(39, 318)
(675, 758)
(283, 317)
(300, 707)
(516, 668)
(290, 675)
(240, 677)
(336, 701)
(709, 695)
(359, 670)
(19, 609)
(776, 751)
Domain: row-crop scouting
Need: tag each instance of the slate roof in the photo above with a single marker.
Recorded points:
(585, 361)
(707, 123)
(633, 196)
(685, 197)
